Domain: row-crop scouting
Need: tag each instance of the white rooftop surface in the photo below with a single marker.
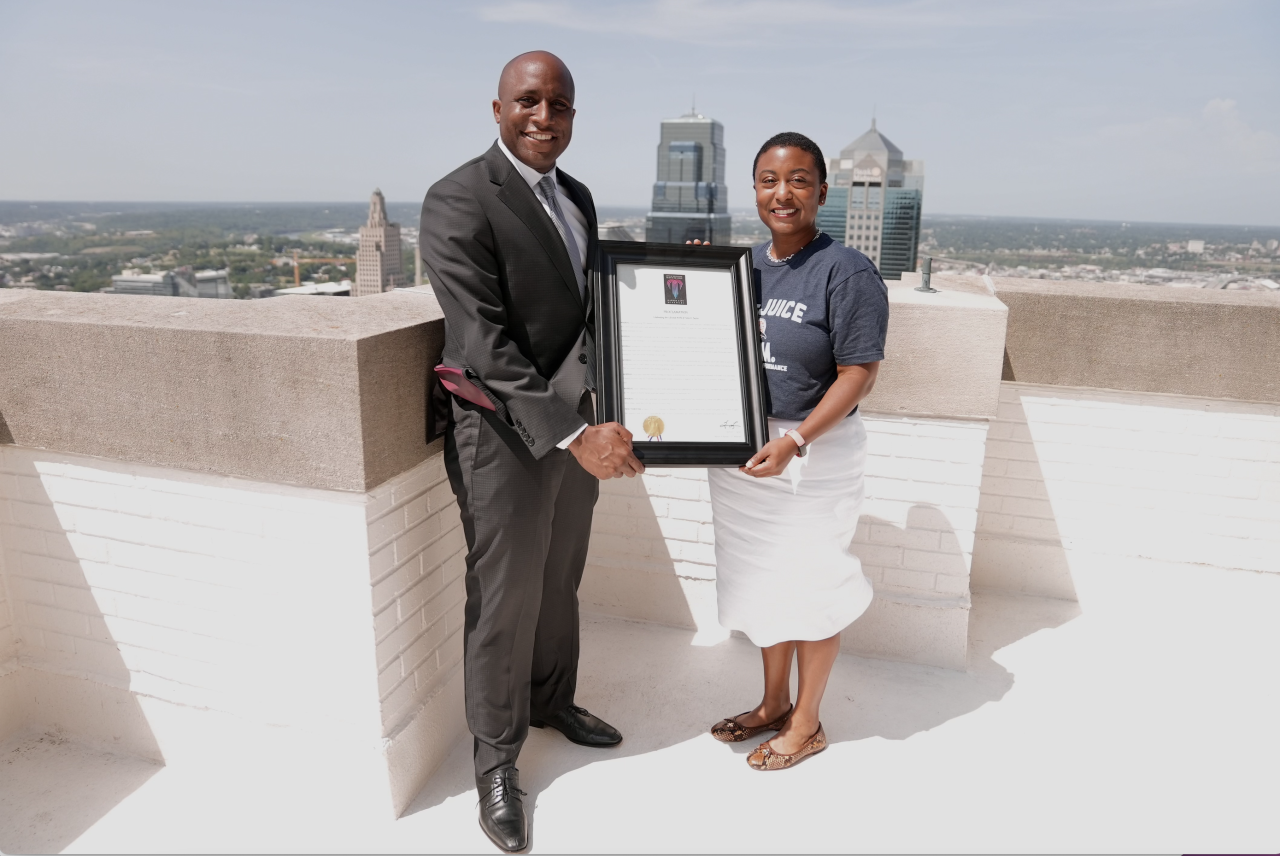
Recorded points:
(1141, 720)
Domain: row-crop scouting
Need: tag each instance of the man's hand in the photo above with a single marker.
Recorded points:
(605, 451)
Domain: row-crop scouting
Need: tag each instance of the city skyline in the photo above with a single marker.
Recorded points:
(1012, 123)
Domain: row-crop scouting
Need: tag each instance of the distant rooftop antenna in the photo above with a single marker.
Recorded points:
(926, 269)
(873, 117)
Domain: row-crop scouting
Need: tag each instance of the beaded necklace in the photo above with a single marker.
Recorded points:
(772, 258)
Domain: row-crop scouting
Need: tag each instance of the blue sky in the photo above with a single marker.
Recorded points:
(1138, 110)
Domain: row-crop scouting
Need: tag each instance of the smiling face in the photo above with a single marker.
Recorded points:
(788, 191)
(534, 108)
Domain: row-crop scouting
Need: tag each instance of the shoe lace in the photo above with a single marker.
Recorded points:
(502, 789)
(581, 711)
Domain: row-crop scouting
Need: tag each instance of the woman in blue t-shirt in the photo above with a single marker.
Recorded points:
(783, 523)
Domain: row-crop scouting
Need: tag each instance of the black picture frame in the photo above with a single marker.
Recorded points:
(609, 374)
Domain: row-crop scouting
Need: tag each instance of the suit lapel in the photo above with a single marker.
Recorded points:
(517, 195)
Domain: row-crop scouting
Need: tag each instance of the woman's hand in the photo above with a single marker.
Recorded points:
(699, 242)
(772, 459)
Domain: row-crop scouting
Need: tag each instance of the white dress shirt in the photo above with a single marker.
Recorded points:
(577, 222)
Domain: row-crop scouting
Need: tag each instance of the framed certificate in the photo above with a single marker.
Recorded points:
(678, 352)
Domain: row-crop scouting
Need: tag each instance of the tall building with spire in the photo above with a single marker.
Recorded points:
(379, 266)
(689, 198)
(874, 200)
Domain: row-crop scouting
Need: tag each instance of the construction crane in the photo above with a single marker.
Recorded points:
(297, 272)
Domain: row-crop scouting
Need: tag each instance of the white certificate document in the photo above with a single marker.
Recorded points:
(681, 374)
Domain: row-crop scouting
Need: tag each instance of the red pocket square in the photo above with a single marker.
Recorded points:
(456, 382)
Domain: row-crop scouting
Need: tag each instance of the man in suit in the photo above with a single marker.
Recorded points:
(507, 238)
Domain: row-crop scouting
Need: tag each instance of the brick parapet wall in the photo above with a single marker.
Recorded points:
(1125, 475)
(417, 560)
(658, 522)
(162, 612)
(218, 593)
(174, 585)
(916, 533)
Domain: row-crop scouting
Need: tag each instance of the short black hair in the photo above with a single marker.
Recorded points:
(792, 140)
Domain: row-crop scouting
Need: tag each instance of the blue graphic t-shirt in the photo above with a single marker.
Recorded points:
(825, 307)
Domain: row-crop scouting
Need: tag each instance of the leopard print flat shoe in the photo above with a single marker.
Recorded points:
(764, 758)
(731, 731)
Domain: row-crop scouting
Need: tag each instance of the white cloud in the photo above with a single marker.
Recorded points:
(1215, 140)
(1204, 165)
(1248, 147)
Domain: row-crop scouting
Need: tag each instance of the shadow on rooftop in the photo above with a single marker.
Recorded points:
(660, 691)
(61, 632)
(1018, 548)
(53, 790)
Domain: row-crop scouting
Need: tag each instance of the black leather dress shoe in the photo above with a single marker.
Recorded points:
(580, 727)
(502, 814)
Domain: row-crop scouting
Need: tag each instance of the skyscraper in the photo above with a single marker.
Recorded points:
(689, 197)
(874, 199)
(378, 263)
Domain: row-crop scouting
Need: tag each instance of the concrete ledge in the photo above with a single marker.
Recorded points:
(1145, 338)
(929, 632)
(943, 353)
(306, 391)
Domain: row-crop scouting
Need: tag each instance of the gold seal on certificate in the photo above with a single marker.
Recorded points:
(676, 334)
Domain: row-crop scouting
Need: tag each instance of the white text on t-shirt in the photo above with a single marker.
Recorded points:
(785, 309)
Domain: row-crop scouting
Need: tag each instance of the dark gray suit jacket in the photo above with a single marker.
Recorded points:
(506, 284)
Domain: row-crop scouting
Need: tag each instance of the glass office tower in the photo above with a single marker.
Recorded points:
(689, 197)
(832, 215)
(883, 195)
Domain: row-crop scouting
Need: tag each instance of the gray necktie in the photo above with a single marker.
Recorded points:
(547, 185)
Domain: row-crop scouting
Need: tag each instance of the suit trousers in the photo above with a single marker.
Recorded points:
(527, 523)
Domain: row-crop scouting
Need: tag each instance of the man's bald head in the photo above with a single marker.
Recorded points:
(534, 61)
(534, 108)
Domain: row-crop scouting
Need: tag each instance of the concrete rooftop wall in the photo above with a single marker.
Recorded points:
(316, 392)
(1143, 338)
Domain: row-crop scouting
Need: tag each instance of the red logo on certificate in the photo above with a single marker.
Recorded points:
(674, 288)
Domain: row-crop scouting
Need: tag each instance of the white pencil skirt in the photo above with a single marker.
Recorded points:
(783, 567)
